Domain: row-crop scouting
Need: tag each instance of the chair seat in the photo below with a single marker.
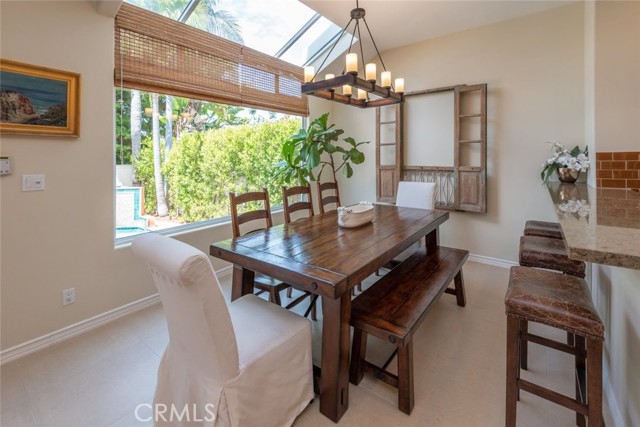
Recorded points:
(543, 229)
(544, 252)
(557, 300)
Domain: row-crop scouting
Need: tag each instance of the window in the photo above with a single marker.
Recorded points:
(198, 152)
(197, 116)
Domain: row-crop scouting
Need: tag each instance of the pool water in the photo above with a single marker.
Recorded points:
(129, 231)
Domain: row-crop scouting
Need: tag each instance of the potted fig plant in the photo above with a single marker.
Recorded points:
(304, 151)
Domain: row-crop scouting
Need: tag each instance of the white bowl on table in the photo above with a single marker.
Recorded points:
(355, 215)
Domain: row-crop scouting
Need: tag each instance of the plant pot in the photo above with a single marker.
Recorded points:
(567, 175)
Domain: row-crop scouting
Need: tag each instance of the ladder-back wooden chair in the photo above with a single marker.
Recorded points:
(260, 217)
(297, 199)
(324, 200)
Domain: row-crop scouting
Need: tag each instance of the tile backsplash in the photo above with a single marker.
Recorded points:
(618, 169)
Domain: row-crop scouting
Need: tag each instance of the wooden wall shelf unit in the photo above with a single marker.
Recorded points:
(461, 186)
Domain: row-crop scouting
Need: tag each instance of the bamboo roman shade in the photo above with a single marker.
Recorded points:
(157, 54)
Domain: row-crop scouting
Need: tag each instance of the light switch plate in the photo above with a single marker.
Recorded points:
(5, 166)
(33, 182)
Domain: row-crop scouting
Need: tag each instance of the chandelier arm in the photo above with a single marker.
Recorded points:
(374, 44)
(361, 48)
(353, 36)
(332, 47)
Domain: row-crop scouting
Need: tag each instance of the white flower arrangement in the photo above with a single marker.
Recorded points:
(575, 159)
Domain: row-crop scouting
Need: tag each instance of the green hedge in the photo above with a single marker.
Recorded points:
(203, 167)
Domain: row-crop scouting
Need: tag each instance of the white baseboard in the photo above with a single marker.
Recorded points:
(83, 326)
(496, 262)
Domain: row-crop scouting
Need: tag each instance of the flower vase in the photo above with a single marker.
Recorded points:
(567, 175)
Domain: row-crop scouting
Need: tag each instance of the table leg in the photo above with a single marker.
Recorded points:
(242, 283)
(334, 379)
(431, 240)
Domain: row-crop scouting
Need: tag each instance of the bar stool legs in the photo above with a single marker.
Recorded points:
(513, 373)
(562, 302)
(588, 357)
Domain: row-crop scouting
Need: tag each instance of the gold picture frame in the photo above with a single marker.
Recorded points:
(38, 100)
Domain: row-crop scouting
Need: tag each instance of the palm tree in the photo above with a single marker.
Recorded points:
(136, 123)
(168, 127)
(162, 208)
(207, 16)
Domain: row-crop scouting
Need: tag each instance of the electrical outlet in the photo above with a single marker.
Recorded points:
(68, 296)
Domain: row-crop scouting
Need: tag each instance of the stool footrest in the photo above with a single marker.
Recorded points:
(553, 396)
(548, 342)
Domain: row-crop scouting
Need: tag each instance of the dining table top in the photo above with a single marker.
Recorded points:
(318, 255)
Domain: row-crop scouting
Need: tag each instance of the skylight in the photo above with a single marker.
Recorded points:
(286, 29)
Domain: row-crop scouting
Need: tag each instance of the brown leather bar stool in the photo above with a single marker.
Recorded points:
(543, 229)
(545, 252)
(564, 302)
(549, 253)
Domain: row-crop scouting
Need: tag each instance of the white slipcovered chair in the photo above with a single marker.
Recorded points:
(416, 195)
(249, 362)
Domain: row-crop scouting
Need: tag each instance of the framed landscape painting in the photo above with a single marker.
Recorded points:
(38, 101)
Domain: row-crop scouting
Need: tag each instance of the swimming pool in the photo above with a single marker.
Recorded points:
(129, 209)
(129, 231)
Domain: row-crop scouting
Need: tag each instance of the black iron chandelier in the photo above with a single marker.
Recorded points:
(349, 88)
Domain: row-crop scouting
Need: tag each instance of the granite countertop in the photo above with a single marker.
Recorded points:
(600, 225)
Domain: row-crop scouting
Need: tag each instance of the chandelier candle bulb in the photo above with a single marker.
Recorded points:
(352, 63)
(385, 79)
(370, 72)
(308, 74)
(346, 90)
(400, 85)
(362, 94)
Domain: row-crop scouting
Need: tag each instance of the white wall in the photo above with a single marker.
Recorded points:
(534, 68)
(616, 109)
(63, 237)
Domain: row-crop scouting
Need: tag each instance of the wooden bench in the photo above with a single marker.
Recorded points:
(393, 308)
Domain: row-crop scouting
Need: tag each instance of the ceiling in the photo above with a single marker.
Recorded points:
(396, 23)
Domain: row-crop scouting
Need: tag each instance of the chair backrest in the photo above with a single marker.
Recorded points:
(263, 214)
(416, 195)
(327, 200)
(291, 206)
(201, 335)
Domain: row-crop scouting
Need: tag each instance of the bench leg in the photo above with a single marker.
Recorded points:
(405, 378)
(289, 291)
(513, 338)
(461, 297)
(358, 353)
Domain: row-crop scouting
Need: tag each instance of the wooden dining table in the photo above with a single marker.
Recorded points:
(318, 256)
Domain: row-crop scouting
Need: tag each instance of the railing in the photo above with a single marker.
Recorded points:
(443, 177)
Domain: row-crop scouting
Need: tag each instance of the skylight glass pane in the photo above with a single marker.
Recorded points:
(311, 42)
(264, 25)
(171, 9)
